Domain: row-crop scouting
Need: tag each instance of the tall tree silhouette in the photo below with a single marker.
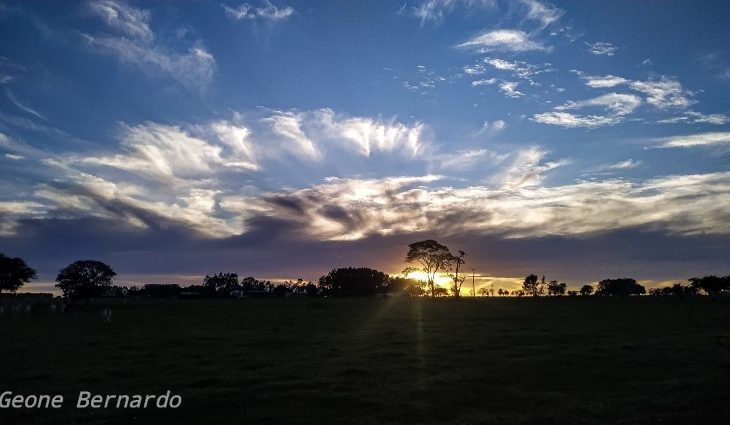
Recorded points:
(457, 261)
(84, 279)
(530, 285)
(586, 290)
(432, 257)
(14, 272)
(554, 288)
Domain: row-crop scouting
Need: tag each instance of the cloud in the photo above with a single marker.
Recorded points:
(509, 88)
(502, 40)
(614, 104)
(193, 69)
(360, 135)
(697, 118)
(428, 80)
(518, 69)
(289, 125)
(617, 104)
(544, 13)
(350, 209)
(268, 12)
(13, 211)
(695, 140)
(603, 81)
(436, 10)
(132, 22)
(489, 129)
(466, 160)
(663, 93)
(621, 165)
(21, 106)
(484, 82)
(169, 154)
(602, 48)
(569, 120)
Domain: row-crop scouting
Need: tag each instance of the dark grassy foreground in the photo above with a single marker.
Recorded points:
(366, 361)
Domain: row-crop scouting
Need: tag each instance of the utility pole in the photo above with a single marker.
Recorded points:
(473, 288)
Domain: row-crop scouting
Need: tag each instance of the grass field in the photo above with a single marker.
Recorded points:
(645, 360)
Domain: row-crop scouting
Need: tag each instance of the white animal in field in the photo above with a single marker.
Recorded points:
(2, 309)
(27, 309)
(53, 308)
(107, 314)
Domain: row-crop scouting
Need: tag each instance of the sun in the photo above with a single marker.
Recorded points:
(441, 279)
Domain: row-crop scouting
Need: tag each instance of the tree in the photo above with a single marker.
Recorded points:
(440, 291)
(403, 285)
(712, 285)
(221, 283)
(84, 279)
(14, 273)
(457, 261)
(350, 281)
(623, 286)
(432, 256)
(554, 288)
(530, 285)
(586, 290)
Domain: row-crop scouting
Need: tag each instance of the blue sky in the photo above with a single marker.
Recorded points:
(582, 140)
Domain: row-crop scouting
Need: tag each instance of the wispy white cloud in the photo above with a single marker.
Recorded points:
(518, 69)
(268, 12)
(663, 93)
(23, 107)
(170, 154)
(602, 48)
(570, 120)
(697, 118)
(436, 10)
(509, 88)
(543, 12)
(427, 79)
(484, 82)
(615, 106)
(621, 165)
(695, 140)
(489, 129)
(289, 126)
(194, 69)
(616, 103)
(502, 40)
(349, 209)
(601, 81)
(129, 20)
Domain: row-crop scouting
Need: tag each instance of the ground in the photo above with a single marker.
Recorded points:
(644, 360)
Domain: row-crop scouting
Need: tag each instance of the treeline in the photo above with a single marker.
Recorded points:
(89, 278)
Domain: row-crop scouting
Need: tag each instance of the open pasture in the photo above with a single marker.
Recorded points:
(641, 360)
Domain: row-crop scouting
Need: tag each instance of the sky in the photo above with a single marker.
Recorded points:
(281, 139)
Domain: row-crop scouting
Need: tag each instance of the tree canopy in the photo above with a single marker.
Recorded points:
(712, 285)
(221, 283)
(623, 286)
(432, 257)
(84, 279)
(14, 273)
(350, 281)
